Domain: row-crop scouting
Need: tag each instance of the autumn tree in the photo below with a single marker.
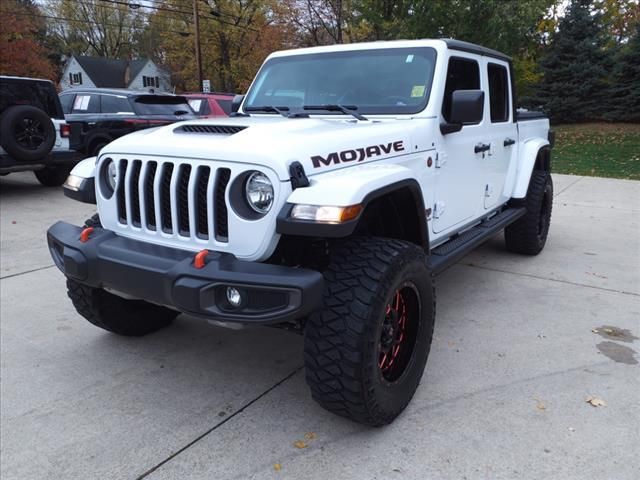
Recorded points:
(95, 27)
(235, 38)
(21, 50)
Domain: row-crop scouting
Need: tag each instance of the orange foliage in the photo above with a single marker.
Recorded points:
(20, 52)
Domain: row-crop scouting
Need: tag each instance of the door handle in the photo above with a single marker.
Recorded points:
(481, 147)
(508, 142)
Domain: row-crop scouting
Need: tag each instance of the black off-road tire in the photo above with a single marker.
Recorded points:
(131, 318)
(528, 235)
(52, 176)
(27, 133)
(343, 342)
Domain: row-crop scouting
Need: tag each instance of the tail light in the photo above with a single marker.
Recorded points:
(65, 130)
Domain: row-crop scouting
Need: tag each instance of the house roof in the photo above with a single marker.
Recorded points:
(110, 72)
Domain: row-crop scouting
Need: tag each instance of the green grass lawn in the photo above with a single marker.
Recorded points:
(598, 150)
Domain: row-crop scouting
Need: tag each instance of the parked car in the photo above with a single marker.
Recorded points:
(33, 132)
(350, 177)
(98, 116)
(209, 105)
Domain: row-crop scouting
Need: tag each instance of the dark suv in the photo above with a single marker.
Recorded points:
(33, 132)
(98, 116)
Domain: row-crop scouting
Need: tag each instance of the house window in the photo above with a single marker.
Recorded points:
(75, 78)
(150, 82)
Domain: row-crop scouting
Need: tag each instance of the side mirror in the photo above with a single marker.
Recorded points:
(467, 108)
(236, 102)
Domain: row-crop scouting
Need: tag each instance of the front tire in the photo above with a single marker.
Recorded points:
(52, 176)
(131, 318)
(528, 235)
(366, 351)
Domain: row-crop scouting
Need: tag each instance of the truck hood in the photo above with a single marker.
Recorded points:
(319, 144)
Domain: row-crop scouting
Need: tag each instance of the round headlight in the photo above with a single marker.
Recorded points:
(111, 174)
(259, 192)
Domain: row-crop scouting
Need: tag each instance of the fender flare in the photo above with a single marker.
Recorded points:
(85, 168)
(529, 153)
(84, 189)
(371, 183)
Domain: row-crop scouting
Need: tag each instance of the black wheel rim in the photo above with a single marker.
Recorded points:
(30, 133)
(399, 332)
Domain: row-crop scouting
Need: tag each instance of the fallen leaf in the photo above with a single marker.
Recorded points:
(595, 402)
(309, 436)
(277, 467)
(300, 444)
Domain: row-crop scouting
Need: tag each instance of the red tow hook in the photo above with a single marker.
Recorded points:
(84, 235)
(199, 261)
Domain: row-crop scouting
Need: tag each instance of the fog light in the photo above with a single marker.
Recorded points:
(233, 297)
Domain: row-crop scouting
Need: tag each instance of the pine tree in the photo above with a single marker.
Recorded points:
(575, 67)
(625, 83)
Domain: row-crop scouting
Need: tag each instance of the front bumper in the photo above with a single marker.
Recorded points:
(167, 276)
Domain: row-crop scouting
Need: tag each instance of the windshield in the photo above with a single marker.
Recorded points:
(161, 105)
(382, 81)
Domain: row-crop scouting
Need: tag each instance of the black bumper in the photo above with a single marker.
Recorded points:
(167, 276)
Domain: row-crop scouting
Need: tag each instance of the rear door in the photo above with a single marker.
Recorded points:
(502, 132)
(459, 170)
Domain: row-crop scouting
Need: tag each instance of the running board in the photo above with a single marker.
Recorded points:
(445, 255)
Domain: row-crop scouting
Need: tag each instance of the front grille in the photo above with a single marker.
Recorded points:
(176, 198)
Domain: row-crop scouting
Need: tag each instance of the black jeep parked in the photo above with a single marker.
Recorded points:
(33, 132)
(99, 115)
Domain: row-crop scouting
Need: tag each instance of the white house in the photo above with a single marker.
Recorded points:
(140, 74)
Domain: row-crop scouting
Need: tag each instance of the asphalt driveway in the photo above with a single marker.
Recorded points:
(520, 345)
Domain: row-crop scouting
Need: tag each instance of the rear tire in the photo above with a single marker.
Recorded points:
(366, 351)
(52, 176)
(528, 235)
(131, 318)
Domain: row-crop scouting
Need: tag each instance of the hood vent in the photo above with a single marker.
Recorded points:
(210, 129)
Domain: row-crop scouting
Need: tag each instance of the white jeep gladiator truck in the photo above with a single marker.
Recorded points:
(348, 178)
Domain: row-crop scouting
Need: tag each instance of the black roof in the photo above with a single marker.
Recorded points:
(113, 91)
(473, 48)
(110, 72)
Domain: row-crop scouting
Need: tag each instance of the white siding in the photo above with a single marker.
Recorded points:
(151, 70)
(73, 66)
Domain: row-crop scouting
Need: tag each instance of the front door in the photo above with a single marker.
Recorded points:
(459, 179)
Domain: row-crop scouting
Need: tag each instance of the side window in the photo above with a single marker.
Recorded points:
(66, 101)
(85, 103)
(462, 74)
(115, 104)
(498, 92)
(225, 105)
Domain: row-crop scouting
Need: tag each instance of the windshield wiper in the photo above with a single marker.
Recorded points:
(346, 109)
(269, 108)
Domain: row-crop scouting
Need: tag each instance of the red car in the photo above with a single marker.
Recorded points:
(208, 105)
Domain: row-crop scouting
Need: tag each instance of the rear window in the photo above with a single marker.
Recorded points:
(225, 105)
(39, 94)
(161, 105)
